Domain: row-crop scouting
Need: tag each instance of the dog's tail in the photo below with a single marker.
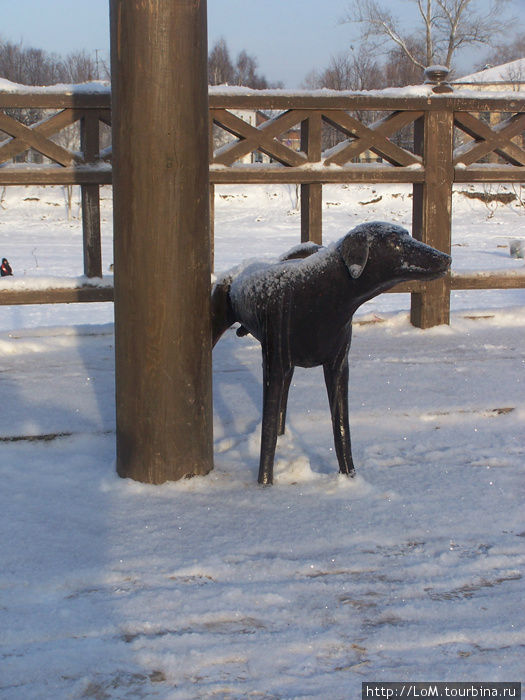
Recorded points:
(221, 312)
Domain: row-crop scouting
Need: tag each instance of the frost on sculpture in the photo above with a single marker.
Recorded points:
(300, 309)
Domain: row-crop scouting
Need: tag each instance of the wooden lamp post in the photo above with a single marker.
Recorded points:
(161, 233)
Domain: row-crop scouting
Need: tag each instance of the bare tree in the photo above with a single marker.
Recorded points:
(505, 52)
(222, 71)
(446, 27)
(79, 67)
(356, 70)
(246, 72)
(28, 66)
(399, 70)
(220, 67)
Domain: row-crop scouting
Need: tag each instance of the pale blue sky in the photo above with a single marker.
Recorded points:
(289, 38)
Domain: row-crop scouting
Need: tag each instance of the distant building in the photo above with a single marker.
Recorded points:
(504, 78)
(508, 76)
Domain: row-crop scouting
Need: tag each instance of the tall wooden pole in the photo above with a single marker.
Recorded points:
(312, 193)
(432, 202)
(432, 211)
(161, 232)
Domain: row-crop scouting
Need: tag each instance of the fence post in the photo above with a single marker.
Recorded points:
(432, 209)
(312, 194)
(211, 195)
(212, 227)
(90, 195)
(162, 250)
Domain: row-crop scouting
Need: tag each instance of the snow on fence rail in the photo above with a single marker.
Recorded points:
(426, 135)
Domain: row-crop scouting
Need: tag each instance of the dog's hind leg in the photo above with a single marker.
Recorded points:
(336, 378)
(284, 402)
(274, 380)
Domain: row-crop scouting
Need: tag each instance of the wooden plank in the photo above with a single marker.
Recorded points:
(311, 136)
(312, 193)
(485, 172)
(484, 102)
(90, 136)
(11, 147)
(16, 297)
(91, 230)
(90, 146)
(346, 101)
(268, 99)
(211, 194)
(212, 227)
(488, 140)
(357, 172)
(31, 138)
(479, 129)
(493, 279)
(55, 100)
(255, 174)
(105, 116)
(312, 213)
(458, 281)
(470, 280)
(262, 138)
(375, 101)
(373, 137)
(44, 175)
(498, 279)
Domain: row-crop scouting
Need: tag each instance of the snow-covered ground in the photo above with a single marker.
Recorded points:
(216, 587)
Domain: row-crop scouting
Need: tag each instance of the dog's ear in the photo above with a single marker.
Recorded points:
(354, 250)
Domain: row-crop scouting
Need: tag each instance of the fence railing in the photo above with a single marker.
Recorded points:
(428, 136)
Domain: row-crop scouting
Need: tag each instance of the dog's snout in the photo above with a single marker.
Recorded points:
(421, 261)
(438, 265)
(443, 258)
(445, 261)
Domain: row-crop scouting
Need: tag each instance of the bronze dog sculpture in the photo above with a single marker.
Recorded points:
(300, 309)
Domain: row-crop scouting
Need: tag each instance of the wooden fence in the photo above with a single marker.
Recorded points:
(88, 167)
(432, 139)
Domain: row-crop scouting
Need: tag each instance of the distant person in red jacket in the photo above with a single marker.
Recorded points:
(5, 270)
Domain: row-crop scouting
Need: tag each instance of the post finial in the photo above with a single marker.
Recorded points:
(437, 77)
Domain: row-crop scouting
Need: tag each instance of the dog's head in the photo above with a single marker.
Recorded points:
(387, 254)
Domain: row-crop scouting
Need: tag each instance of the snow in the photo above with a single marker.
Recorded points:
(215, 587)
(89, 87)
(240, 91)
(417, 91)
(422, 91)
(39, 283)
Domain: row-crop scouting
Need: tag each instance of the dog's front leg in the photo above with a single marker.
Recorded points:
(284, 402)
(336, 378)
(274, 378)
